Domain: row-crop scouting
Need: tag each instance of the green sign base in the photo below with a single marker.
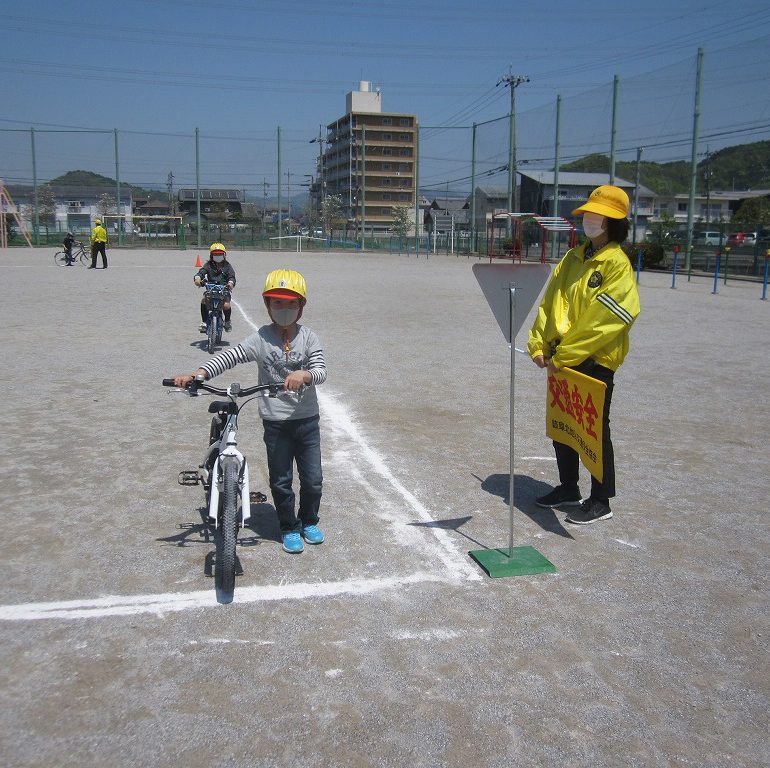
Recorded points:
(519, 561)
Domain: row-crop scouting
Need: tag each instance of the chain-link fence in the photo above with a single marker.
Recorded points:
(465, 172)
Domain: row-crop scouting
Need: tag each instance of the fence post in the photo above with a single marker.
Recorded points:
(764, 281)
(673, 271)
(727, 256)
(638, 263)
(716, 272)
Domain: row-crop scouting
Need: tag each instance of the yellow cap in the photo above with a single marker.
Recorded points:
(606, 201)
(217, 248)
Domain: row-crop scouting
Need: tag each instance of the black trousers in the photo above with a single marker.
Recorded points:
(568, 460)
(96, 249)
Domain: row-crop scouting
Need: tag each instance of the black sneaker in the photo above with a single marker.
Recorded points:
(562, 494)
(590, 511)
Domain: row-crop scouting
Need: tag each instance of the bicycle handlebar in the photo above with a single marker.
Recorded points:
(234, 390)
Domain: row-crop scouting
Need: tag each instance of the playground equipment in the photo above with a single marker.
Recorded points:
(550, 227)
(8, 206)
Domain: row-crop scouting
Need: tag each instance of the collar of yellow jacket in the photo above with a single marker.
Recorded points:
(601, 255)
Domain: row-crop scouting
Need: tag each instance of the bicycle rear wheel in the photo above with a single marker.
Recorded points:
(228, 528)
(60, 259)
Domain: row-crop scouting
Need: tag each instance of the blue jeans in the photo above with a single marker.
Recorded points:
(294, 440)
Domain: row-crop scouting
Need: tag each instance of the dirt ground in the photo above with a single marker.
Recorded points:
(386, 645)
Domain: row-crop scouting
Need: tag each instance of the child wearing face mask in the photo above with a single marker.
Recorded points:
(287, 352)
(220, 271)
(583, 323)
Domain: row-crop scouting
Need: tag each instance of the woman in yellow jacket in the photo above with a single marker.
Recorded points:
(582, 323)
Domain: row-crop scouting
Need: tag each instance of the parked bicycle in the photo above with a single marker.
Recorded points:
(79, 253)
(224, 473)
(214, 296)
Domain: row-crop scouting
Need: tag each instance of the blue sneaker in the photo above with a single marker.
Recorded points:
(292, 542)
(312, 534)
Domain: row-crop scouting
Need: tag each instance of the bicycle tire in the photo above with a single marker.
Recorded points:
(85, 258)
(228, 528)
(212, 334)
(60, 259)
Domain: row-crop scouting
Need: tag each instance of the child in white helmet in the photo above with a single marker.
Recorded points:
(286, 352)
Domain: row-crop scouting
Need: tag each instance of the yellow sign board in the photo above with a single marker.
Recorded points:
(574, 416)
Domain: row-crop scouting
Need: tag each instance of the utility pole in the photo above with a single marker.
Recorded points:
(321, 193)
(512, 81)
(264, 203)
(288, 197)
(707, 179)
(169, 189)
(639, 151)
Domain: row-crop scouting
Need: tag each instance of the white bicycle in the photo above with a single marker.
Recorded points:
(224, 473)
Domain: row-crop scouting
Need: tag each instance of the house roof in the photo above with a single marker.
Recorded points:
(233, 195)
(444, 204)
(69, 191)
(494, 191)
(577, 179)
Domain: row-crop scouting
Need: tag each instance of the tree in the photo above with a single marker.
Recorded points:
(106, 204)
(756, 210)
(331, 212)
(46, 204)
(402, 221)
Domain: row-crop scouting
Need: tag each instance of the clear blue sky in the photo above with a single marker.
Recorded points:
(157, 69)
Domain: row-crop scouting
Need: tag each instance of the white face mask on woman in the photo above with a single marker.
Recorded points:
(218, 257)
(593, 225)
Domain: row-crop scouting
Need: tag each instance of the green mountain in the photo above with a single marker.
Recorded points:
(746, 166)
(90, 179)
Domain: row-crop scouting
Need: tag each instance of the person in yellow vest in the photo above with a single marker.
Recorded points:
(583, 323)
(98, 244)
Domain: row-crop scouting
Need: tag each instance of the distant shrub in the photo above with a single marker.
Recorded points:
(653, 254)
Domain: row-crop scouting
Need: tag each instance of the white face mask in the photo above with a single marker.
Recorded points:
(285, 317)
(219, 257)
(592, 225)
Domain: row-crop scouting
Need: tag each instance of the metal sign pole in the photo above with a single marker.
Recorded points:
(511, 291)
(512, 430)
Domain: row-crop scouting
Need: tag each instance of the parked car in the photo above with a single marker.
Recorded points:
(708, 238)
(742, 238)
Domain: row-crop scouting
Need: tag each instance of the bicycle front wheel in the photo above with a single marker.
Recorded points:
(60, 259)
(213, 330)
(85, 258)
(228, 529)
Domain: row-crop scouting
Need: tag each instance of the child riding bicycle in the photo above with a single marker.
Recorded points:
(287, 352)
(216, 270)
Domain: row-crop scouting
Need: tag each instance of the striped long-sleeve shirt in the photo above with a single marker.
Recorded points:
(266, 348)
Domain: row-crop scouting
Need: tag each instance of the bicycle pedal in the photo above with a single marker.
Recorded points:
(189, 477)
(257, 498)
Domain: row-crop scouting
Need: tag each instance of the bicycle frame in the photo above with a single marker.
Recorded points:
(215, 296)
(227, 446)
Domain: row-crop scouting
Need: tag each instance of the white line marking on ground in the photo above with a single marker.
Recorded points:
(341, 421)
(627, 543)
(538, 458)
(131, 605)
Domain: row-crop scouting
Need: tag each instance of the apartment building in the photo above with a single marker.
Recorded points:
(369, 161)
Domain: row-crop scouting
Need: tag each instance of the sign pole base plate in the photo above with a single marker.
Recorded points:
(518, 561)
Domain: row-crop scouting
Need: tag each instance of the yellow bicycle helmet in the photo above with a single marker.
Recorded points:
(285, 284)
(217, 248)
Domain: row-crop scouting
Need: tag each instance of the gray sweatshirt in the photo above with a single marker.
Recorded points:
(266, 348)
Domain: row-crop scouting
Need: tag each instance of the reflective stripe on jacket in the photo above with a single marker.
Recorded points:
(587, 310)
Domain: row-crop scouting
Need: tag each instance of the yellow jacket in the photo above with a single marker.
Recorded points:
(588, 309)
(98, 234)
